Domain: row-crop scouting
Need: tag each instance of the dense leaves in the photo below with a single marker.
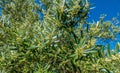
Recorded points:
(63, 42)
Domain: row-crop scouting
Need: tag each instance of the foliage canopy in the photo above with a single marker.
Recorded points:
(63, 42)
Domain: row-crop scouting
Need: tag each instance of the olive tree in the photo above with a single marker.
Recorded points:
(64, 41)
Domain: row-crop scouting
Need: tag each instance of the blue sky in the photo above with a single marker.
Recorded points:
(109, 7)
(0, 11)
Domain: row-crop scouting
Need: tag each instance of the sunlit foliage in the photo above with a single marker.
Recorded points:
(63, 42)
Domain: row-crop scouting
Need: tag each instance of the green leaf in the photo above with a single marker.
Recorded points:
(108, 50)
(117, 48)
